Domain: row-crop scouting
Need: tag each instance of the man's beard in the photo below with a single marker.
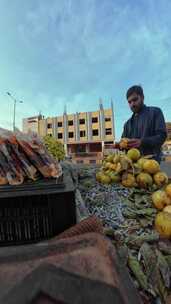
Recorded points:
(137, 109)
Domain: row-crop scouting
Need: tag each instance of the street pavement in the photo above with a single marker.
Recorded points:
(166, 167)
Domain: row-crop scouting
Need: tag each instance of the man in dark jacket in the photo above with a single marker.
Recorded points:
(146, 128)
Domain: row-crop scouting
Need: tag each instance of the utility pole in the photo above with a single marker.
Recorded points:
(14, 112)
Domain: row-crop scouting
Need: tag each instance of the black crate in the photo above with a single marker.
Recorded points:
(36, 211)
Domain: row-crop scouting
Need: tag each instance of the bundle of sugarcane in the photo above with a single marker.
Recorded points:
(24, 157)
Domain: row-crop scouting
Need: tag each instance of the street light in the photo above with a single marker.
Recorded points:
(15, 101)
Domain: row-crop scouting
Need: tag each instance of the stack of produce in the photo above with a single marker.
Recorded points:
(135, 171)
(24, 157)
(131, 170)
(128, 215)
(162, 201)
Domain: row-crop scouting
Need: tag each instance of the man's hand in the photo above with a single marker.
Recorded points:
(134, 143)
(116, 145)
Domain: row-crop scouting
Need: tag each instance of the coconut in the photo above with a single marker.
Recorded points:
(112, 167)
(105, 179)
(160, 178)
(133, 154)
(144, 180)
(118, 168)
(125, 162)
(128, 180)
(151, 166)
(167, 209)
(141, 162)
(160, 199)
(115, 177)
(168, 190)
(107, 165)
(116, 158)
(163, 224)
(135, 169)
(98, 176)
(123, 143)
(109, 158)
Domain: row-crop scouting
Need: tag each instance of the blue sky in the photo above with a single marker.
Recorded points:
(74, 52)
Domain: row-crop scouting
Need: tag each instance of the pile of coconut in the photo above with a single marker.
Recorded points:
(131, 169)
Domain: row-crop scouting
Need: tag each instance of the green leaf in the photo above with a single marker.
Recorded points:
(135, 267)
(164, 268)
(54, 147)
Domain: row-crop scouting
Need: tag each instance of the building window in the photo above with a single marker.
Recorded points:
(95, 132)
(92, 161)
(82, 133)
(49, 126)
(60, 135)
(94, 119)
(108, 131)
(71, 134)
(80, 161)
(80, 148)
(70, 123)
(107, 118)
(59, 124)
(82, 121)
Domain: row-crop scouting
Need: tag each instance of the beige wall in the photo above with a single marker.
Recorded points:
(71, 129)
(42, 127)
(30, 125)
(82, 127)
(108, 124)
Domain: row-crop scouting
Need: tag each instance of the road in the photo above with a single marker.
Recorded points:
(166, 167)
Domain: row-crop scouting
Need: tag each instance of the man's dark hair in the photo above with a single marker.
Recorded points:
(135, 89)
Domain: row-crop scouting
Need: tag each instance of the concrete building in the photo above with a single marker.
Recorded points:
(168, 127)
(84, 134)
(32, 124)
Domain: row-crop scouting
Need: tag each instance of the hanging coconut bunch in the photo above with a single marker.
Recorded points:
(131, 169)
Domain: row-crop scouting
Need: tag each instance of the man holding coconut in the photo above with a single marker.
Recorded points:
(146, 129)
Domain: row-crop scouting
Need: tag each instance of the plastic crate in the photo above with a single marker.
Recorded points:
(36, 211)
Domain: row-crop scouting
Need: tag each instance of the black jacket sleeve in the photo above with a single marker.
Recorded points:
(124, 133)
(160, 131)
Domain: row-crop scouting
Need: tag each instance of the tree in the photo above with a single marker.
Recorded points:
(55, 148)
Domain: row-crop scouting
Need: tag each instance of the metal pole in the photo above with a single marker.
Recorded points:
(15, 102)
